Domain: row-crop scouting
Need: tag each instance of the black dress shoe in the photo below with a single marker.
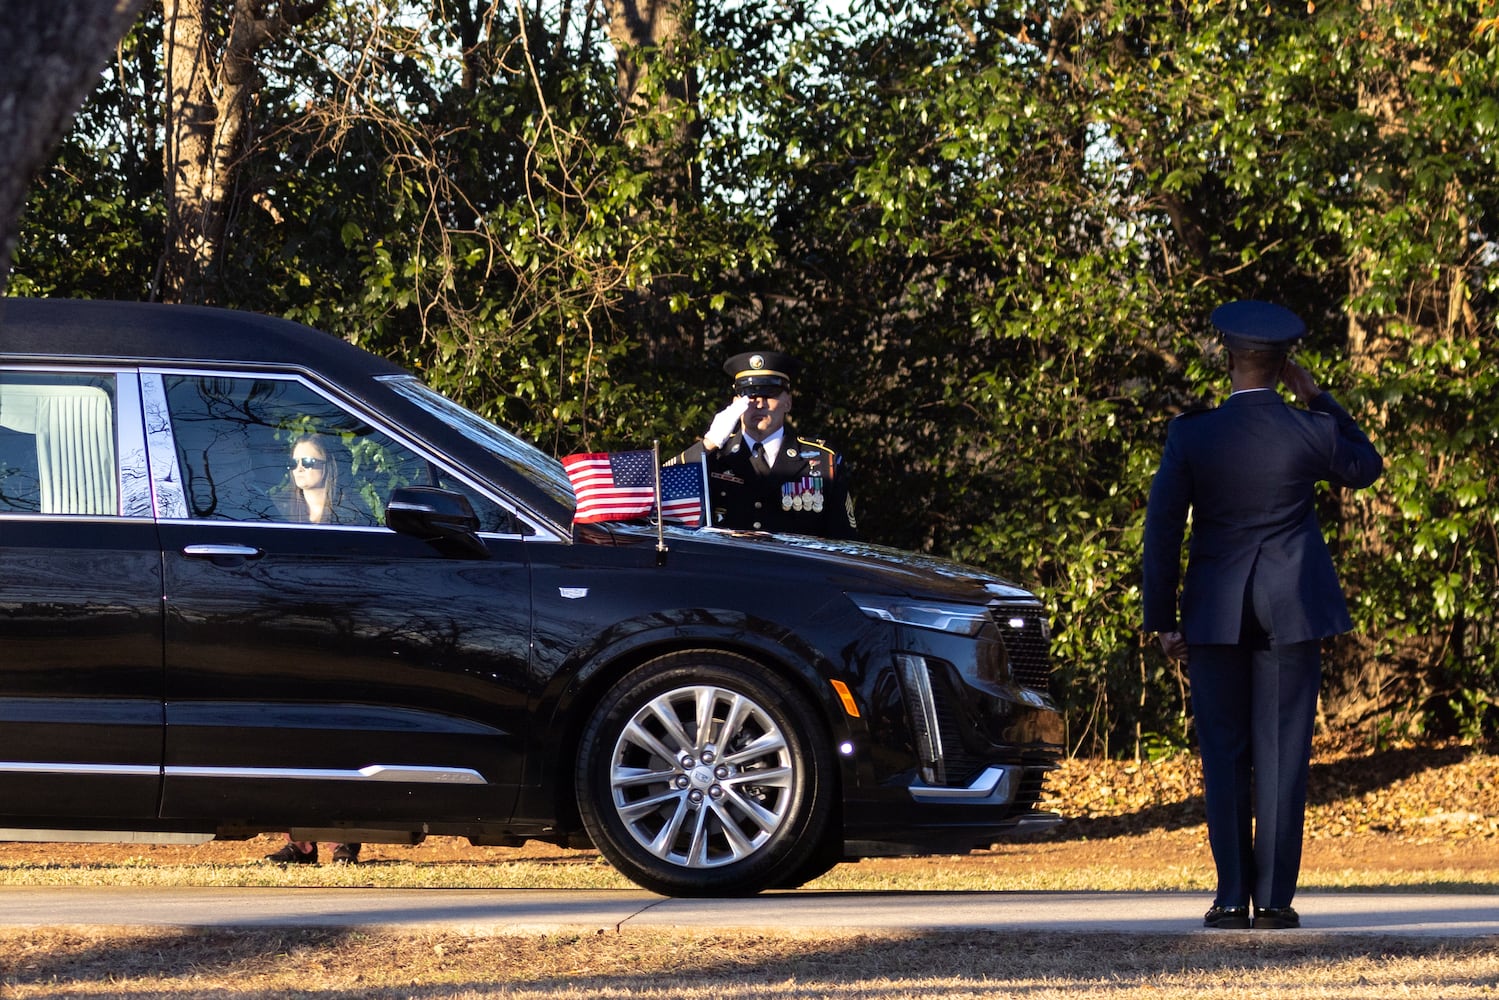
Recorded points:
(1227, 918)
(289, 855)
(1276, 918)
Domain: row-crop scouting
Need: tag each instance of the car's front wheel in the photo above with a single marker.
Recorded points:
(703, 774)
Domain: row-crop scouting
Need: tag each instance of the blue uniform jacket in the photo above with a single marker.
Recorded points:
(1247, 472)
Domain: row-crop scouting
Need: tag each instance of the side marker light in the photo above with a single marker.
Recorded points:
(847, 697)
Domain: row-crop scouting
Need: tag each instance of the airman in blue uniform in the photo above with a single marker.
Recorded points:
(1260, 593)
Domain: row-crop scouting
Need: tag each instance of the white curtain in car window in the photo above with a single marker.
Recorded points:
(74, 429)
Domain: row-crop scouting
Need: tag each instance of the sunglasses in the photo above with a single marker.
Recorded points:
(308, 463)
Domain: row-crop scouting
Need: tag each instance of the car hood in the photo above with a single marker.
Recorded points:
(855, 565)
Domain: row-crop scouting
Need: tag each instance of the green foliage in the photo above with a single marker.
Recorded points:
(93, 220)
(993, 234)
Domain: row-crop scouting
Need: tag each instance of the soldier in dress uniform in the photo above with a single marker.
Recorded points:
(761, 475)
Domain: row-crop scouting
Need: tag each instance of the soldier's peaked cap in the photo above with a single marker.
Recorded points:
(1247, 325)
(761, 370)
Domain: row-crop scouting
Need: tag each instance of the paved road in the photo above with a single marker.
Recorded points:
(501, 911)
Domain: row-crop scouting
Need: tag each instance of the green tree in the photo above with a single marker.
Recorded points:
(93, 220)
(994, 234)
(1000, 232)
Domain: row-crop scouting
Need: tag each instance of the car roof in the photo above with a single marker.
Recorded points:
(156, 332)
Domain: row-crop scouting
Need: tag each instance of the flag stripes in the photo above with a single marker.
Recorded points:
(617, 486)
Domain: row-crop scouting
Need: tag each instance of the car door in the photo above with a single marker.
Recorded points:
(333, 670)
(80, 599)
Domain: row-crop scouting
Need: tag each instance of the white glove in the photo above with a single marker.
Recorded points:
(726, 423)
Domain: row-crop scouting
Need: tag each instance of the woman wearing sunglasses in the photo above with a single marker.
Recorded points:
(316, 497)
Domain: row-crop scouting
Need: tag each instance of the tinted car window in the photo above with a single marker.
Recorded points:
(235, 439)
(57, 444)
(529, 461)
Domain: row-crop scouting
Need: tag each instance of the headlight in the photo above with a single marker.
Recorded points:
(961, 619)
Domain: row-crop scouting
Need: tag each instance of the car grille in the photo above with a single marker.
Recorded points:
(1032, 786)
(1027, 638)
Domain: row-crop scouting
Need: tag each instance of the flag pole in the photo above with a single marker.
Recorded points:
(660, 520)
(705, 505)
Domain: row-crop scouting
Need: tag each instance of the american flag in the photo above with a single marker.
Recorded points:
(616, 486)
(682, 494)
(612, 486)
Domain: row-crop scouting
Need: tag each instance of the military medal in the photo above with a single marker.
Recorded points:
(786, 496)
(817, 494)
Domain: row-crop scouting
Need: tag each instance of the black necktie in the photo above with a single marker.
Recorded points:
(757, 459)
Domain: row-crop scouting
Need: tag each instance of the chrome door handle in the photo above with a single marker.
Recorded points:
(211, 551)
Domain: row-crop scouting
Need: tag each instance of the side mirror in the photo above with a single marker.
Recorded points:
(441, 517)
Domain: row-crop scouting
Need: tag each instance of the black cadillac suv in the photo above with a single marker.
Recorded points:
(188, 655)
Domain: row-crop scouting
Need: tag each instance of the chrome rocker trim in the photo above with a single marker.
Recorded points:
(373, 772)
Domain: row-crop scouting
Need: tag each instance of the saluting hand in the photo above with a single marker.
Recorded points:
(725, 423)
(1299, 381)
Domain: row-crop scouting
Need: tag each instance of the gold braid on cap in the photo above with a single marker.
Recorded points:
(761, 371)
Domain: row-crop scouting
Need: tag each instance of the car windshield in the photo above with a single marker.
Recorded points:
(527, 460)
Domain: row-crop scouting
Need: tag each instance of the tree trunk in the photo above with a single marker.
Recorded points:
(657, 87)
(649, 37)
(53, 52)
(212, 81)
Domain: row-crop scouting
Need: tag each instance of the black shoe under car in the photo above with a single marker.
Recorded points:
(289, 855)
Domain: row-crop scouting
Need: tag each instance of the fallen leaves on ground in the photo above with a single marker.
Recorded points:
(1420, 794)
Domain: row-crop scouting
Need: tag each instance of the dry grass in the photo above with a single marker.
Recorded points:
(1173, 861)
(251, 965)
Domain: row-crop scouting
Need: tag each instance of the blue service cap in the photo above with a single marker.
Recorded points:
(1247, 325)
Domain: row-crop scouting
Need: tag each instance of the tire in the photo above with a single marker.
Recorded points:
(729, 808)
(821, 861)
